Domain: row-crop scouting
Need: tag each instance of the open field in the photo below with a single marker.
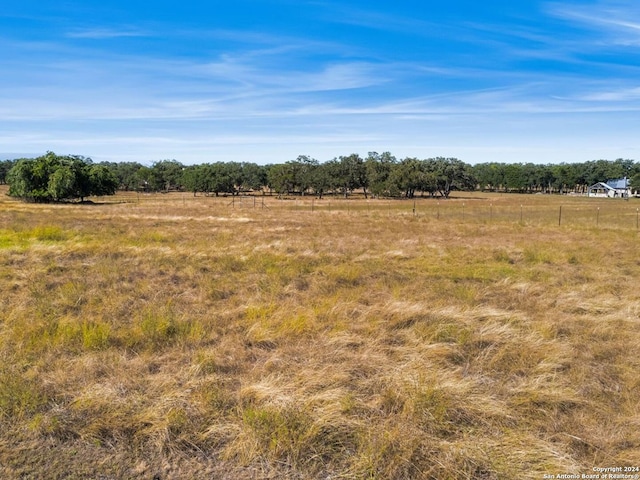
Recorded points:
(483, 337)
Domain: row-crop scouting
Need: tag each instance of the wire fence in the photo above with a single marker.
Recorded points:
(518, 210)
(616, 214)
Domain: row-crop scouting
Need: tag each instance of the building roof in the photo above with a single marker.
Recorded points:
(602, 185)
(621, 183)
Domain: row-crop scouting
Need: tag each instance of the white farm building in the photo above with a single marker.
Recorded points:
(611, 189)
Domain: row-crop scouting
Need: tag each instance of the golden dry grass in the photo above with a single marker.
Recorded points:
(190, 338)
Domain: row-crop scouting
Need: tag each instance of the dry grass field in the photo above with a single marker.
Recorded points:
(173, 337)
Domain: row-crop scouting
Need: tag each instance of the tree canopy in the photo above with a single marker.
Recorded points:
(54, 178)
(5, 166)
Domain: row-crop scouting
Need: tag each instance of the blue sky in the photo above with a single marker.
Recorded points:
(268, 80)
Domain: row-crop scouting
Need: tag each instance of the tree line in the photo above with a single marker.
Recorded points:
(55, 178)
(554, 178)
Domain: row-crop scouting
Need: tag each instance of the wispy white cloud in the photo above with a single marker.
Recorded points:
(102, 33)
(331, 76)
(615, 22)
(626, 97)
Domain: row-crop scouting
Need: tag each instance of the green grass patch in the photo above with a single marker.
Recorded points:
(21, 395)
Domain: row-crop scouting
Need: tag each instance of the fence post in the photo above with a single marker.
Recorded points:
(598, 217)
(520, 213)
(560, 216)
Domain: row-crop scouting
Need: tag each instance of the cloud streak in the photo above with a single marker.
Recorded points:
(106, 33)
(616, 23)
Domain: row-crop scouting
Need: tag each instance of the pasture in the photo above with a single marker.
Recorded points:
(488, 336)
